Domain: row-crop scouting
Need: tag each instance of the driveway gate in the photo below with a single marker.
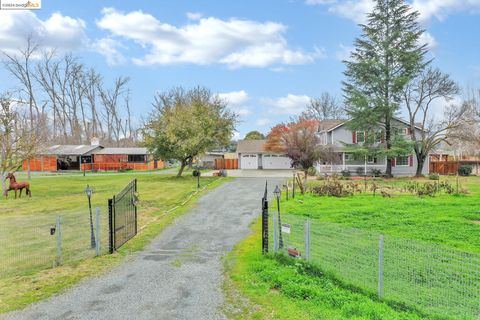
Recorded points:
(122, 214)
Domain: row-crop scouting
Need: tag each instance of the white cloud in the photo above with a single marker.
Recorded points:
(429, 40)
(289, 105)
(63, 33)
(343, 52)
(109, 48)
(194, 15)
(356, 9)
(234, 42)
(237, 101)
(263, 122)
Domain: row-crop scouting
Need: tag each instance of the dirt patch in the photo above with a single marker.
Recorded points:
(476, 222)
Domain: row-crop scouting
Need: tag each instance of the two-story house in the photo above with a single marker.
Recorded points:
(337, 135)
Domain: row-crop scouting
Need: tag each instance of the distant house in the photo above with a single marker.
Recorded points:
(253, 155)
(92, 158)
(335, 133)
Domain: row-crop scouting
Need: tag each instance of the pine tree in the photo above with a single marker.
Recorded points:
(387, 56)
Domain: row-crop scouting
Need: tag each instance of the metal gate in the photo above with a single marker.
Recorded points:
(122, 214)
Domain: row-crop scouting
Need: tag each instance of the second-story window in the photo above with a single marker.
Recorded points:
(360, 136)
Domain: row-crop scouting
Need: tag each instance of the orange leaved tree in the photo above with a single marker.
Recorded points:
(299, 140)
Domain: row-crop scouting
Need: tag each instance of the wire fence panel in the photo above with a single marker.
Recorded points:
(31, 243)
(431, 278)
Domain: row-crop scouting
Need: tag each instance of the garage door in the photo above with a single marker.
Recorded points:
(249, 161)
(273, 161)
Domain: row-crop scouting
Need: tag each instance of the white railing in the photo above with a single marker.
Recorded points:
(337, 168)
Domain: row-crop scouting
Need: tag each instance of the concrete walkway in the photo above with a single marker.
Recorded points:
(179, 276)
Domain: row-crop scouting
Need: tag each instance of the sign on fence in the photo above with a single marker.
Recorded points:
(286, 228)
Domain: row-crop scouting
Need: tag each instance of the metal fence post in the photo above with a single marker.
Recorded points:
(97, 247)
(265, 220)
(380, 266)
(59, 241)
(111, 246)
(307, 239)
(275, 234)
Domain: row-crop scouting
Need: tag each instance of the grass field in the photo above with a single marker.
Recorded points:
(449, 220)
(28, 250)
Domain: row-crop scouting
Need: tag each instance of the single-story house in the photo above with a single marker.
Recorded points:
(253, 155)
(92, 158)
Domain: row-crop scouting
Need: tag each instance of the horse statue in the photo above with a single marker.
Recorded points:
(14, 185)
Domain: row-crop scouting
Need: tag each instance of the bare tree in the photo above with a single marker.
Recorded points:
(326, 107)
(419, 95)
(18, 140)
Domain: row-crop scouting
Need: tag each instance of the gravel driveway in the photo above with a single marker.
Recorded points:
(178, 276)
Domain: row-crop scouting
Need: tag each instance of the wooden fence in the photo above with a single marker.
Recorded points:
(229, 164)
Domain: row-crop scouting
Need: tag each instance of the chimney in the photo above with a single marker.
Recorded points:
(95, 142)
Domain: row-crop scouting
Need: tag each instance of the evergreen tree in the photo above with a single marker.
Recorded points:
(387, 56)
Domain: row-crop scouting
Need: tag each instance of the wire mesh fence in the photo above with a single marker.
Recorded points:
(434, 279)
(31, 243)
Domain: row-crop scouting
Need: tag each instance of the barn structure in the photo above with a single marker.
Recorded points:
(92, 158)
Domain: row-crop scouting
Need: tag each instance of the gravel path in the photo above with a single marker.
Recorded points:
(179, 276)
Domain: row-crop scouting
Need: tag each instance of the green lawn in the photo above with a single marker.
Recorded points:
(28, 250)
(344, 248)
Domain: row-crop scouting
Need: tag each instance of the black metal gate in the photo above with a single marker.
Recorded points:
(122, 214)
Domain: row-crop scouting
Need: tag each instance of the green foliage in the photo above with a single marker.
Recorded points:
(346, 173)
(312, 171)
(386, 58)
(187, 123)
(376, 172)
(434, 176)
(254, 135)
(465, 170)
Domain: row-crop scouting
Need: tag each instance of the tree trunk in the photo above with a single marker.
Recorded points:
(388, 140)
(29, 176)
(420, 163)
(182, 167)
(305, 181)
(4, 183)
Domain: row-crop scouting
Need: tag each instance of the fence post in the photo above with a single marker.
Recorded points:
(59, 241)
(307, 239)
(293, 187)
(97, 247)
(275, 234)
(380, 266)
(111, 246)
(265, 220)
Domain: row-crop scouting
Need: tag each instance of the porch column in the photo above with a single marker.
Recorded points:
(343, 161)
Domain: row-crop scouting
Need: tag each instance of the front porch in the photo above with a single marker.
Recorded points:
(346, 162)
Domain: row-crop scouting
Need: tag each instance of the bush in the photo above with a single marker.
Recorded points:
(376, 172)
(346, 173)
(312, 171)
(434, 176)
(427, 189)
(360, 171)
(333, 188)
(465, 170)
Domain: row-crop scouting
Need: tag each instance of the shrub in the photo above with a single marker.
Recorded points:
(434, 176)
(465, 170)
(346, 173)
(312, 171)
(376, 172)
(333, 188)
(360, 171)
(427, 189)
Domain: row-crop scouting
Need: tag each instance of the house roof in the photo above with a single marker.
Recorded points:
(132, 151)
(251, 146)
(330, 125)
(70, 150)
(326, 125)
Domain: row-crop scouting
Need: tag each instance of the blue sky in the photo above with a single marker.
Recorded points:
(266, 57)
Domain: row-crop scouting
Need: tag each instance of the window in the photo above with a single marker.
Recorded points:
(360, 136)
(136, 158)
(348, 157)
(379, 136)
(371, 160)
(403, 161)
